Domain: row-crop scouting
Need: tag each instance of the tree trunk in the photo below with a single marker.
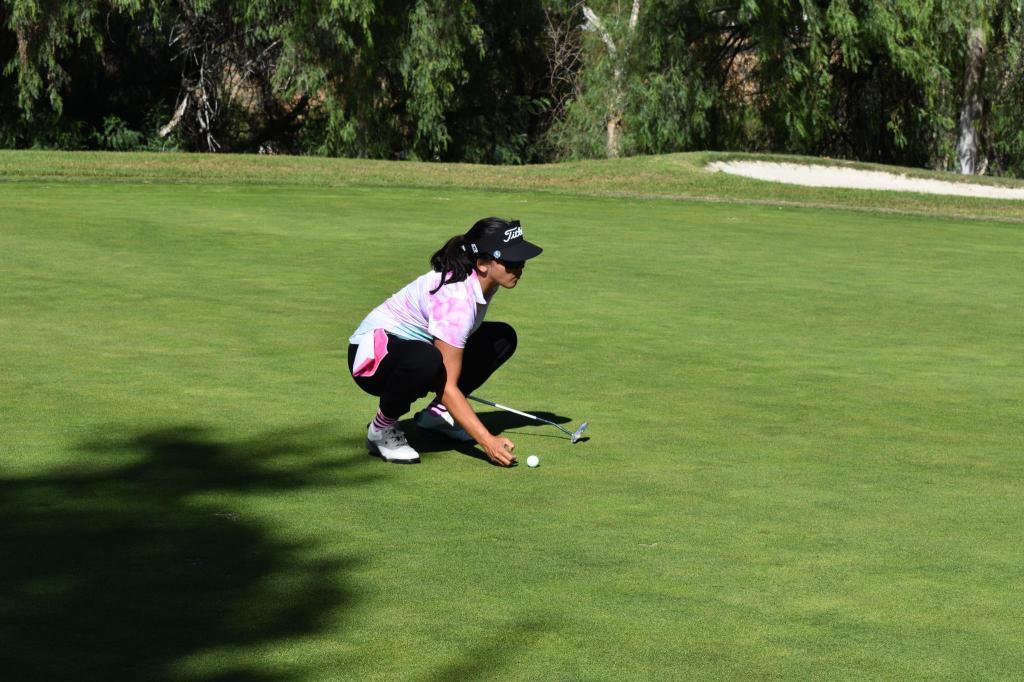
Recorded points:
(23, 61)
(614, 134)
(973, 105)
(176, 119)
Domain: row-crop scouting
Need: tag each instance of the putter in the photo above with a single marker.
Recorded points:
(573, 435)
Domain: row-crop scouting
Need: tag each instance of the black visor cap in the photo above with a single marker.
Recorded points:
(504, 245)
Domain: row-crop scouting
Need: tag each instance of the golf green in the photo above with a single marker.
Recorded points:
(803, 461)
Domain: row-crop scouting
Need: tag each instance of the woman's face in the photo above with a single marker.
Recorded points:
(503, 273)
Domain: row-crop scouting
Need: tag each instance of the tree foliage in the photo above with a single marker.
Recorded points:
(487, 81)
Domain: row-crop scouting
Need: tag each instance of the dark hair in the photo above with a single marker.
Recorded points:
(453, 262)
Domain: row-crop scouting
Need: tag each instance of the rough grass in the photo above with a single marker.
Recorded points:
(673, 176)
(804, 459)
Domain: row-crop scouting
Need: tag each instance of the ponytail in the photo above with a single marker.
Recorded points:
(452, 262)
(452, 259)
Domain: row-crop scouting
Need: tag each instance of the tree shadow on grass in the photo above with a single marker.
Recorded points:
(127, 566)
(497, 657)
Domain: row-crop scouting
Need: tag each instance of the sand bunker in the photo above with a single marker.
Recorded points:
(830, 176)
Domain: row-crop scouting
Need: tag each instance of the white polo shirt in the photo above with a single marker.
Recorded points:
(414, 314)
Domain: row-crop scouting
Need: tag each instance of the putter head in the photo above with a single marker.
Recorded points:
(578, 432)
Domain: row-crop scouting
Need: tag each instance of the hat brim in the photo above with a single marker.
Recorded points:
(523, 250)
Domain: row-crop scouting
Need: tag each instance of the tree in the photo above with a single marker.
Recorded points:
(1003, 88)
(993, 68)
(361, 77)
(46, 33)
(643, 81)
(619, 61)
(537, 80)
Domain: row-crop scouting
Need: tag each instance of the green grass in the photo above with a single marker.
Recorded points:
(673, 176)
(804, 458)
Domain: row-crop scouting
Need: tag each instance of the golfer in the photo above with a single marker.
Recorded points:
(431, 337)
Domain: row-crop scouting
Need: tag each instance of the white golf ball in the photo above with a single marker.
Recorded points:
(532, 461)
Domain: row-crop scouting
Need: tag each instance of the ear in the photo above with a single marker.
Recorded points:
(482, 266)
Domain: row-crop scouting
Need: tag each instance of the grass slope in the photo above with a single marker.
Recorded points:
(672, 176)
(804, 458)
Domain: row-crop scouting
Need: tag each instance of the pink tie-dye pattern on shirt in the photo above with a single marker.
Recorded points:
(415, 314)
(451, 318)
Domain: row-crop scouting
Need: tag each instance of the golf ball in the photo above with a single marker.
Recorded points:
(532, 461)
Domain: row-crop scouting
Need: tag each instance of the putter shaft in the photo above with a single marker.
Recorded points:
(573, 436)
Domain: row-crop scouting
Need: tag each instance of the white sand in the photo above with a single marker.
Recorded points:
(830, 176)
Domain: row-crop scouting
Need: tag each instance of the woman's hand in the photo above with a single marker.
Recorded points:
(499, 450)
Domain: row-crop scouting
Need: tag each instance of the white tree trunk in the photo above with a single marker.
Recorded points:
(613, 145)
(176, 119)
(973, 105)
(594, 23)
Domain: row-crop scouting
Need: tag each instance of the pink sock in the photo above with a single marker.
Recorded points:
(380, 422)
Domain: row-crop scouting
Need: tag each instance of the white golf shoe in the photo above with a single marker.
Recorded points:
(390, 445)
(442, 423)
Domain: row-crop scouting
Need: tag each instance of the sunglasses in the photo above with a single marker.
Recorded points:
(512, 264)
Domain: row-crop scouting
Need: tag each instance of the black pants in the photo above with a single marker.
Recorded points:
(412, 369)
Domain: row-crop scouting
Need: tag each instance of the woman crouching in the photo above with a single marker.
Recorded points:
(431, 337)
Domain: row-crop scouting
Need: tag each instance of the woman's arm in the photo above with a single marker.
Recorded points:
(498, 448)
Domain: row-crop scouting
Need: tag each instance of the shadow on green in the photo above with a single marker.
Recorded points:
(126, 567)
(498, 423)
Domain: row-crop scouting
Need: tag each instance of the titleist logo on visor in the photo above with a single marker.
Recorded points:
(503, 241)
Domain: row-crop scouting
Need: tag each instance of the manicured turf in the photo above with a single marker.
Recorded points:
(804, 459)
